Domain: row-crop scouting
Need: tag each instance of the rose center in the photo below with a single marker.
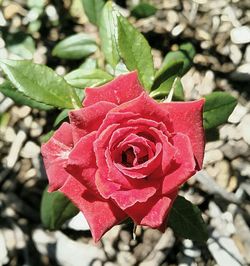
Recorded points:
(130, 159)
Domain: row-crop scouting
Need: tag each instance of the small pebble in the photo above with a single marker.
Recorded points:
(15, 149)
(240, 35)
(27, 121)
(30, 150)
(24, 111)
(235, 54)
(244, 128)
(177, 30)
(5, 104)
(10, 134)
(237, 114)
(36, 129)
(213, 156)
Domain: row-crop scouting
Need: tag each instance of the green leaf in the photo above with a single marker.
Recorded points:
(56, 209)
(19, 98)
(167, 72)
(164, 89)
(34, 26)
(143, 10)
(61, 117)
(40, 83)
(45, 137)
(4, 120)
(80, 93)
(185, 55)
(164, 81)
(89, 64)
(217, 109)
(178, 91)
(93, 9)
(109, 33)
(120, 69)
(135, 51)
(81, 79)
(21, 44)
(75, 46)
(186, 220)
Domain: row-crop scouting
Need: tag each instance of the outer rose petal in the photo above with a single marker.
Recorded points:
(187, 119)
(153, 212)
(122, 89)
(185, 164)
(146, 107)
(128, 198)
(55, 154)
(82, 162)
(88, 119)
(101, 215)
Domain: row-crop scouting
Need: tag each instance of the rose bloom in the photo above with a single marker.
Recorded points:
(125, 155)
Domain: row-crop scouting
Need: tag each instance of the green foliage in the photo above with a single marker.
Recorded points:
(109, 33)
(135, 51)
(217, 109)
(40, 83)
(4, 119)
(45, 137)
(61, 117)
(165, 88)
(81, 79)
(19, 98)
(56, 209)
(21, 44)
(93, 9)
(120, 69)
(186, 220)
(185, 54)
(173, 69)
(74, 47)
(36, 8)
(89, 64)
(143, 10)
(165, 79)
(178, 90)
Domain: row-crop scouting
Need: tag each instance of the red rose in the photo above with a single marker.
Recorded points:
(125, 155)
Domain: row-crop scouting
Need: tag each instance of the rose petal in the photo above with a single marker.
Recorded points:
(88, 119)
(184, 166)
(82, 162)
(144, 169)
(55, 154)
(104, 186)
(187, 119)
(147, 108)
(126, 183)
(141, 147)
(122, 89)
(127, 198)
(153, 212)
(106, 166)
(101, 215)
(149, 123)
(168, 150)
(115, 118)
(164, 154)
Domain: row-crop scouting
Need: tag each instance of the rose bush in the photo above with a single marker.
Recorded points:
(125, 155)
